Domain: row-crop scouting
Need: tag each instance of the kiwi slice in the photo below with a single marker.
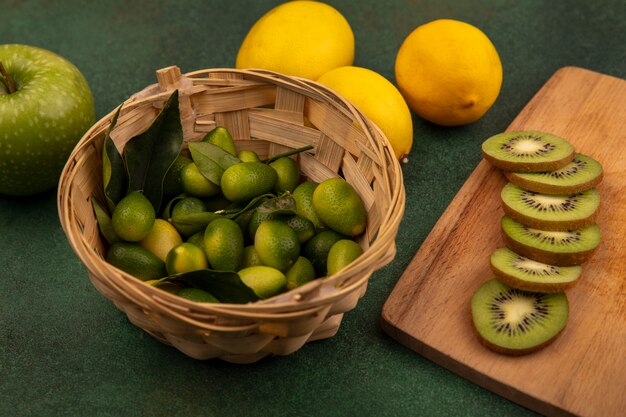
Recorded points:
(526, 274)
(560, 248)
(517, 322)
(550, 211)
(581, 174)
(527, 151)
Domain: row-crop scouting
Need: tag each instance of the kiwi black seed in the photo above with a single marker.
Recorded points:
(527, 151)
(560, 248)
(550, 211)
(526, 274)
(581, 174)
(517, 322)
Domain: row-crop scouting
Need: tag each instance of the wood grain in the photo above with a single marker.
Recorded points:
(584, 371)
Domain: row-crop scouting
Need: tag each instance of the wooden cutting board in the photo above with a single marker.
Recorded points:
(584, 371)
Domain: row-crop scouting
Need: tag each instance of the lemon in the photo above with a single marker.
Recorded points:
(185, 257)
(288, 174)
(223, 244)
(161, 239)
(341, 254)
(449, 72)
(317, 248)
(197, 295)
(244, 181)
(303, 196)
(133, 217)
(277, 244)
(265, 281)
(195, 184)
(136, 260)
(339, 206)
(300, 273)
(302, 38)
(379, 100)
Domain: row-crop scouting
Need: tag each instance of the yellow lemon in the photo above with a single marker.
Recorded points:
(161, 239)
(302, 38)
(449, 72)
(379, 100)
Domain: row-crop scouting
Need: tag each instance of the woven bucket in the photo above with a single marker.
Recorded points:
(269, 113)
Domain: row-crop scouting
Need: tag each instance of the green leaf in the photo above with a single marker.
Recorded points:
(288, 153)
(211, 160)
(167, 211)
(104, 222)
(214, 152)
(209, 168)
(150, 154)
(221, 137)
(197, 220)
(226, 286)
(114, 175)
(254, 203)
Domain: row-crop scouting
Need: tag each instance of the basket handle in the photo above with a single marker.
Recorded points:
(170, 79)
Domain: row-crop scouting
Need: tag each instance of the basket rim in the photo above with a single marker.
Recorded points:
(270, 306)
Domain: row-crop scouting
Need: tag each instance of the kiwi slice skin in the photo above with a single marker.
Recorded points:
(581, 174)
(526, 274)
(516, 322)
(549, 211)
(527, 151)
(566, 248)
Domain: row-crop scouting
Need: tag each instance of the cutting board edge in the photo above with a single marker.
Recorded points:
(568, 68)
(472, 375)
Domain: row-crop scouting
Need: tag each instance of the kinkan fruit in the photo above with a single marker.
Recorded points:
(260, 222)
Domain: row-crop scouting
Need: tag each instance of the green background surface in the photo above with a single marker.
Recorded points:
(66, 350)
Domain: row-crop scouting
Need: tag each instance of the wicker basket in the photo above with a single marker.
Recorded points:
(268, 113)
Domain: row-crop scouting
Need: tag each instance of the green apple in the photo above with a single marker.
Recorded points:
(45, 108)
